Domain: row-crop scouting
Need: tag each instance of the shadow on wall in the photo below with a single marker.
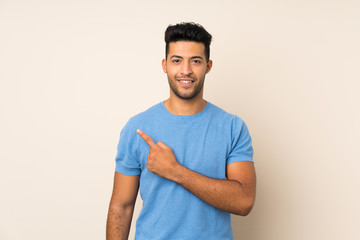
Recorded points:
(272, 194)
(251, 227)
(244, 228)
(277, 192)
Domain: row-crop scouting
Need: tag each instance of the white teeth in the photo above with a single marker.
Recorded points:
(186, 81)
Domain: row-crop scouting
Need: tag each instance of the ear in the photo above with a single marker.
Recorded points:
(163, 63)
(209, 66)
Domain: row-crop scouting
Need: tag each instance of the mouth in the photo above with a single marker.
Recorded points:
(185, 82)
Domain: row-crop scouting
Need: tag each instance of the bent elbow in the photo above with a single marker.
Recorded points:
(243, 212)
(244, 209)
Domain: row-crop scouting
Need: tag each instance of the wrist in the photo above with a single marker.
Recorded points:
(177, 173)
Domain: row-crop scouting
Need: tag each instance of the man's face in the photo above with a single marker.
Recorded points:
(186, 67)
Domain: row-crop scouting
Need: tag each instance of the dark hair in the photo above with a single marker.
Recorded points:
(188, 31)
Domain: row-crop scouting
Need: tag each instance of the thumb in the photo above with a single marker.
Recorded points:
(161, 144)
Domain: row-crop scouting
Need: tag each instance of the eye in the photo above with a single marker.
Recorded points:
(176, 60)
(196, 61)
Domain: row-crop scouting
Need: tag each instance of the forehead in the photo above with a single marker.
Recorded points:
(186, 48)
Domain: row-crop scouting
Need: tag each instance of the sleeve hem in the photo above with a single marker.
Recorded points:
(127, 171)
(239, 160)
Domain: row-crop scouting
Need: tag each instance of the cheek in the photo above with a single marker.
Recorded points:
(201, 73)
(172, 72)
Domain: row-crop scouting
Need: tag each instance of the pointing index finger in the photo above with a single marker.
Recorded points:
(146, 138)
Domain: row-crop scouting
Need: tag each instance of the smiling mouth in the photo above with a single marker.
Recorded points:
(186, 81)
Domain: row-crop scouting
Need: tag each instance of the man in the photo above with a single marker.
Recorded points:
(192, 160)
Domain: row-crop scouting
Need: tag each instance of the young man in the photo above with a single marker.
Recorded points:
(192, 160)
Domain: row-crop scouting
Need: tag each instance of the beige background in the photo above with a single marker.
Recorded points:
(73, 72)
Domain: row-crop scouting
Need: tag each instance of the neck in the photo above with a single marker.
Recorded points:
(180, 106)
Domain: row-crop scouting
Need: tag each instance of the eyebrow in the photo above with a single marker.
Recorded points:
(177, 56)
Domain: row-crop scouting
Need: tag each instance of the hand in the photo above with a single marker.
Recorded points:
(161, 158)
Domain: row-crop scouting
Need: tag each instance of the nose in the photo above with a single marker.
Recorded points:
(186, 68)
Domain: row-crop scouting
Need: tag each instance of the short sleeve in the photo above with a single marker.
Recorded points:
(126, 159)
(241, 146)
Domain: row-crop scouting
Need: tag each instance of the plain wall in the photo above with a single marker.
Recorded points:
(73, 72)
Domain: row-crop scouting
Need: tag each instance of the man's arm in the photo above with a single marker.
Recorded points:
(236, 194)
(121, 206)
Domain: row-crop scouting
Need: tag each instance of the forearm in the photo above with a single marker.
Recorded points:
(227, 195)
(118, 222)
(235, 195)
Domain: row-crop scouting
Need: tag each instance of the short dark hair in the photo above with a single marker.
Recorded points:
(188, 31)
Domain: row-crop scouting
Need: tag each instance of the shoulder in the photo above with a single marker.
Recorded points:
(146, 115)
(140, 119)
(229, 122)
(224, 116)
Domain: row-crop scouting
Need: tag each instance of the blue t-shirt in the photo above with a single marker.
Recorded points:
(205, 143)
